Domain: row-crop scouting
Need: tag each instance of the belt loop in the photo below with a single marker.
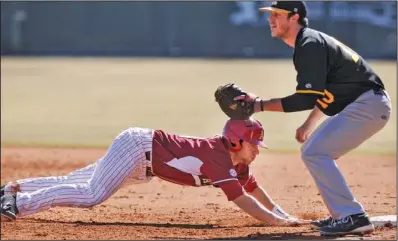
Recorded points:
(148, 156)
(148, 163)
(197, 180)
(149, 171)
(378, 91)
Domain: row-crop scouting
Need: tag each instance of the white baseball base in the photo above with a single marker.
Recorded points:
(384, 221)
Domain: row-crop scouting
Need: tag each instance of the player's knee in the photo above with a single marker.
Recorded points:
(95, 199)
(307, 153)
(92, 196)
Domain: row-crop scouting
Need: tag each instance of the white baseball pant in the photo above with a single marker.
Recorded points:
(123, 164)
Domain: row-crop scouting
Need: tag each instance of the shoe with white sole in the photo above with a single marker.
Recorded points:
(352, 224)
(317, 224)
(2, 190)
(9, 208)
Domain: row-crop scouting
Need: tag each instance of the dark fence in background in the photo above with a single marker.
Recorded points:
(192, 29)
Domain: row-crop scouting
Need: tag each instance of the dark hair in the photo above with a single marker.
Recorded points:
(302, 21)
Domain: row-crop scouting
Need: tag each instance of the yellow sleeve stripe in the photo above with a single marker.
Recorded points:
(310, 92)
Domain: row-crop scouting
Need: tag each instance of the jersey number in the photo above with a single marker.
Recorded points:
(348, 50)
(325, 101)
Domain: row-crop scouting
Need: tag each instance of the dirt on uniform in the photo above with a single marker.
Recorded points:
(161, 210)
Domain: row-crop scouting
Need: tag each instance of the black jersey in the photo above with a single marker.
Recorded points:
(327, 67)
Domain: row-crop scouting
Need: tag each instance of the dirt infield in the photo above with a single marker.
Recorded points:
(160, 210)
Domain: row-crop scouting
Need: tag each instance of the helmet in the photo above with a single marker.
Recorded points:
(247, 130)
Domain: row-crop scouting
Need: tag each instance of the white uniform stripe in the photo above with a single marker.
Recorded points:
(61, 192)
(81, 199)
(197, 180)
(43, 201)
(226, 180)
(112, 166)
(104, 182)
(65, 198)
(32, 184)
(79, 176)
(123, 164)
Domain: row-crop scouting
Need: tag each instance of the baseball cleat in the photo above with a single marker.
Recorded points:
(9, 208)
(322, 222)
(353, 224)
(2, 189)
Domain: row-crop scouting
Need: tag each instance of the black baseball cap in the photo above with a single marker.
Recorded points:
(287, 7)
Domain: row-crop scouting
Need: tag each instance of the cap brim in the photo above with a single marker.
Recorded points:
(271, 9)
(260, 144)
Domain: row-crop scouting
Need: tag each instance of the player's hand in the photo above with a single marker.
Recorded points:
(304, 131)
(291, 222)
(250, 98)
(294, 222)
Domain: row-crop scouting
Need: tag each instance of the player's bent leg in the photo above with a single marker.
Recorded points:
(123, 163)
(334, 138)
(32, 184)
(337, 136)
(317, 156)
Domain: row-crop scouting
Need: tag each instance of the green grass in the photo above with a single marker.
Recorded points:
(86, 102)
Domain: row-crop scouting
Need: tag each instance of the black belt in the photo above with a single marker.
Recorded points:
(148, 155)
(379, 91)
(149, 172)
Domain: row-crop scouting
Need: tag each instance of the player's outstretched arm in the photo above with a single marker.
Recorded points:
(255, 209)
(262, 196)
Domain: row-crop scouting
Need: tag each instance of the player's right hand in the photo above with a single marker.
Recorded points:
(295, 222)
(303, 132)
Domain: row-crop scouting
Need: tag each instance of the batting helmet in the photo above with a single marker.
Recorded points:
(247, 130)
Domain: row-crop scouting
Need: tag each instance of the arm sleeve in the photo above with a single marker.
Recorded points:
(246, 178)
(224, 177)
(232, 189)
(310, 60)
(299, 102)
(251, 184)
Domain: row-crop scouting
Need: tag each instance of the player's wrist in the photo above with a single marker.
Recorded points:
(280, 212)
(310, 123)
(258, 105)
(279, 221)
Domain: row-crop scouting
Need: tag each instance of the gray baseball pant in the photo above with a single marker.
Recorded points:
(335, 137)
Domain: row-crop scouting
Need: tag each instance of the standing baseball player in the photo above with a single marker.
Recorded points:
(332, 80)
(138, 154)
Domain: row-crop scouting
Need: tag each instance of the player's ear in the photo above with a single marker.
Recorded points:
(296, 17)
(293, 16)
(235, 146)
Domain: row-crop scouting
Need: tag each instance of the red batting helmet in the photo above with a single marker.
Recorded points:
(247, 130)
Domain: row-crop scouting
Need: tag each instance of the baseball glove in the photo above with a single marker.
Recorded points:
(234, 109)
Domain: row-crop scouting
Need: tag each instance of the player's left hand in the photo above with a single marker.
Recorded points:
(304, 131)
(292, 221)
(236, 103)
(251, 99)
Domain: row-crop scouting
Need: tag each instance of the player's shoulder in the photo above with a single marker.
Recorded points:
(242, 170)
(160, 134)
(308, 36)
(208, 148)
(217, 153)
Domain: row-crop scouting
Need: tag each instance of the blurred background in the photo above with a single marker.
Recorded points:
(189, 29)
(76, 73)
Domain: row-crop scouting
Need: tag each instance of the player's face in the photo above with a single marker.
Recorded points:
(248, 153)
(279, 24)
